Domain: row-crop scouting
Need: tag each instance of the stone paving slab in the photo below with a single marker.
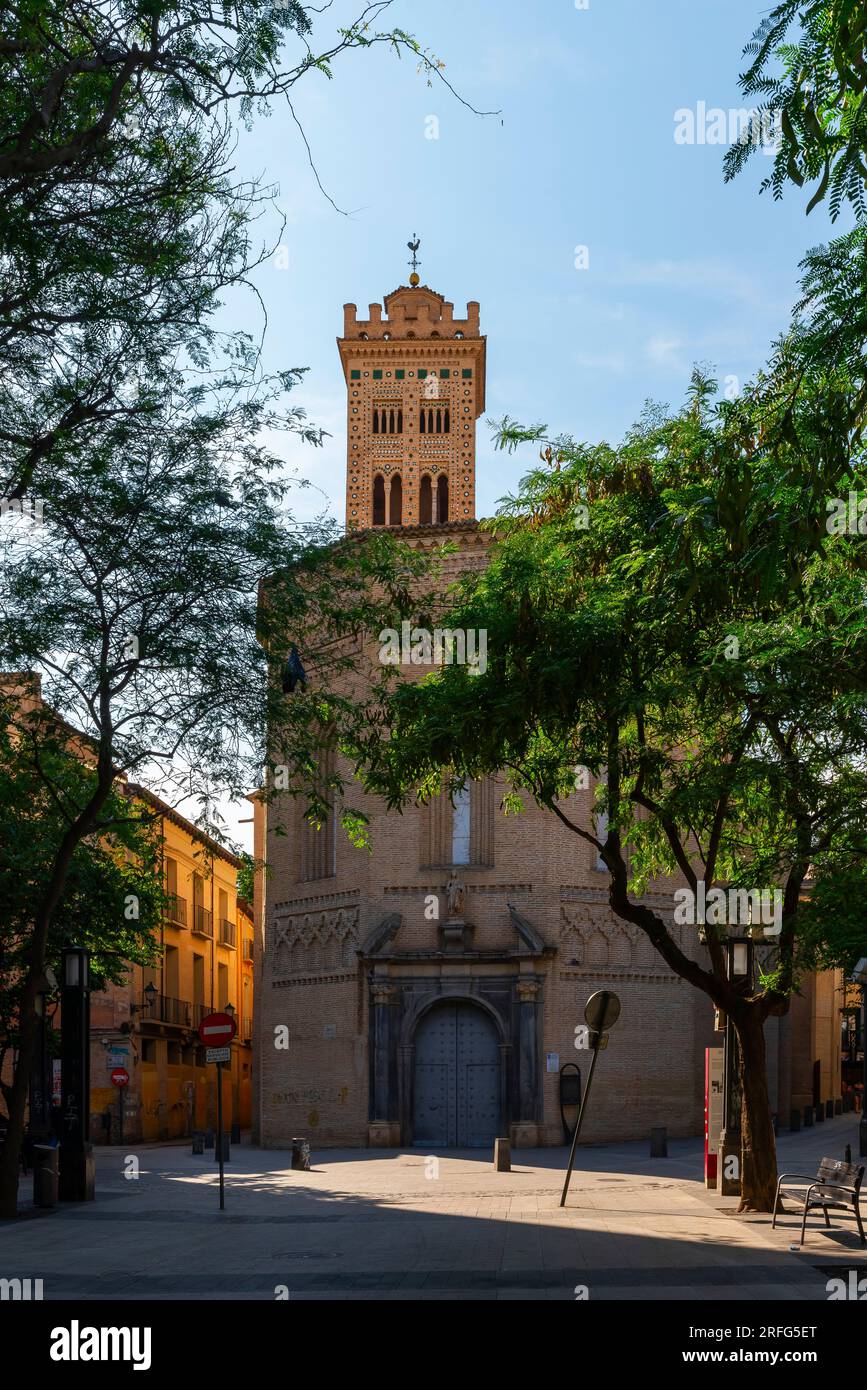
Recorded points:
(369, 1225)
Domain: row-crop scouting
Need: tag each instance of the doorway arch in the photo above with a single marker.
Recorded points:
(456, 1077)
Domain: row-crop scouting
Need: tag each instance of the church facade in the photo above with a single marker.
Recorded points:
(428, 993)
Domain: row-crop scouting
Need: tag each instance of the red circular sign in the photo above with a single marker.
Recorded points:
(120, 1077)
(217, 1030)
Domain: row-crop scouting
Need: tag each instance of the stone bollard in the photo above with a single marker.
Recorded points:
(301, 1155)
(820, 1114)
(808, 1116)
(502, 1156)
(235, 1133)
(209, 1138)
(659, 1143)
(829, 1110)
(198, 1141)
(795, 1121)
(45, 1175)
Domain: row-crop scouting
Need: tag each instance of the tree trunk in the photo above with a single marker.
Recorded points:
(758, 1142)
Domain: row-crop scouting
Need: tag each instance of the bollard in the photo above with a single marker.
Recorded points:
(46, 1174)
(210, 1138)
(236, 1133)
(222, 1140)
(795, 1121)
(808, 1116)
(502, 1156)
(820, 1114)
(301, 1155)
(198, 1141)
(659, 1143)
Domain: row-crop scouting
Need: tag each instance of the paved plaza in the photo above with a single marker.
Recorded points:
(408, 1225)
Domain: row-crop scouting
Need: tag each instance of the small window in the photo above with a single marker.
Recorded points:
(355, 376)
(379, 500)
(422, 373)
(442, 499)
(377, 375)
(445, 373)
(395, 510)
(173, 1054)
(467, 373)
(148, 1050)
(400, 374)
(425, 514)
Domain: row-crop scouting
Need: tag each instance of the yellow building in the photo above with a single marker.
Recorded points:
(148, 1025)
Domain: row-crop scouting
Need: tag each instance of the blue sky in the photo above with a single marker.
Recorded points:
(682, 267)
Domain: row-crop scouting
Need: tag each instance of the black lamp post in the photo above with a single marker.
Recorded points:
(739, 969)
(76, 1152)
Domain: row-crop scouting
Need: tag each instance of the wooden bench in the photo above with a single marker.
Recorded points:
(836, 1184)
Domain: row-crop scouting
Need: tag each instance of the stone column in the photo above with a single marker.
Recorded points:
(525, 1134)
(383, 1131)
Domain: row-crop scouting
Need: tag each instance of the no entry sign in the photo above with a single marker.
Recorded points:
(217, 1030)
(120, 1077)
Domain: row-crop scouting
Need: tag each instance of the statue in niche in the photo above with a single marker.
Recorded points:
(455, 895)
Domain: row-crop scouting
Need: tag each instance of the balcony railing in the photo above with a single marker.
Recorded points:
(203, 921)
(176, 910)
(227, 932)
(162, 1009)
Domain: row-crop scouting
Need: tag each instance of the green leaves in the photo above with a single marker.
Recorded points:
(817, 85)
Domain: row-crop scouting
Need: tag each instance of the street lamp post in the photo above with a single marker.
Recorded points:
(739, 969)
(76, 1152)
(859, 977)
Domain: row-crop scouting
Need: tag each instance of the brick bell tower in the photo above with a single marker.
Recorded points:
(415, 379)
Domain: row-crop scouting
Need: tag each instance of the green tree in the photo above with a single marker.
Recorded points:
(121, 220)
(674, 616)
(138, 426)
(816, 86)
(113, 895)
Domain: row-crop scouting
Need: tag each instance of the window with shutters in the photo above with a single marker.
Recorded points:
(459, 829)
(319, 843)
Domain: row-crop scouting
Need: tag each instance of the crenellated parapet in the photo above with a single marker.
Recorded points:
(411, 313)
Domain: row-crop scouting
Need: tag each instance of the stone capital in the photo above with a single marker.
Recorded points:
(383, 992)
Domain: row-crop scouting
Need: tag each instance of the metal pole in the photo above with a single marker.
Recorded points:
(121, 1090)
(862, 1128)
(580, 1119)
(220, 1131)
